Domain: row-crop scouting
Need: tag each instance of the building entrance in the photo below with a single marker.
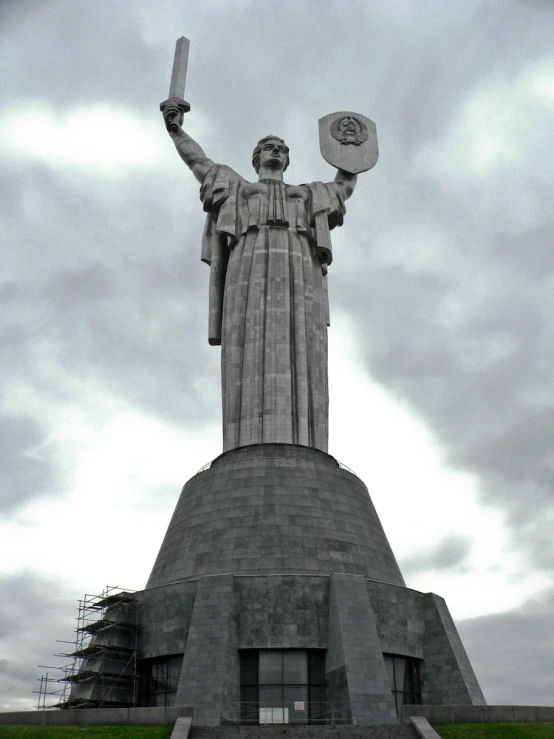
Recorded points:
(282, 686)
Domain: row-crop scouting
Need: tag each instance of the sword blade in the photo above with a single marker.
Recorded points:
(180, 64)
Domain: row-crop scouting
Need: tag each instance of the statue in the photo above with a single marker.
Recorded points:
(268, 247)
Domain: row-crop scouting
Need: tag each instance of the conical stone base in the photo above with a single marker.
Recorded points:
(272, 509)
(276, 547)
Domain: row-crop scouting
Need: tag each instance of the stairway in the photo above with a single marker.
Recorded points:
(378, 731)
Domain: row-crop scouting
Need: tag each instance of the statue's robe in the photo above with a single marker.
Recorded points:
(268, 247)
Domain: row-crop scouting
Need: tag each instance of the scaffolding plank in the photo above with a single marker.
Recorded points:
(105, 623)
(94, 649)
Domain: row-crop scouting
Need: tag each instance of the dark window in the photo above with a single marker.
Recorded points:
(270, 668)
(405, 680)
(158, 680)
(282, 686)
(295, 668)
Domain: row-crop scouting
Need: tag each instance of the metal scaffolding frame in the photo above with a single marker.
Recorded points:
(115, 665)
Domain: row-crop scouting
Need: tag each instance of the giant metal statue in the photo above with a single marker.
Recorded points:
(268, 247)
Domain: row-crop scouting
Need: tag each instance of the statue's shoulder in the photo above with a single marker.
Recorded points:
(219, 174)
(220, 184)
(326, 191)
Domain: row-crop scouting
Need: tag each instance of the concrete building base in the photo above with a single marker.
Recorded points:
(277, 547)
(355, 620)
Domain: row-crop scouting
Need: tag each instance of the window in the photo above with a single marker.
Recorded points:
(282, 686)
(158, 679)
(405, 680)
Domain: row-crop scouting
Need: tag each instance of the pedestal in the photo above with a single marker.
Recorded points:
(276, 597)
(276, 548)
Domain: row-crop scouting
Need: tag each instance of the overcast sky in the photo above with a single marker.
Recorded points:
(441, 344)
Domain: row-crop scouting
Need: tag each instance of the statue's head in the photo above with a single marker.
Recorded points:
(270, 150)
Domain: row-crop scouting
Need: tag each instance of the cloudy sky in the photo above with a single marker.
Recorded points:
(441, 343)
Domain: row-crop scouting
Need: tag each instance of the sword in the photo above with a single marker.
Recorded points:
(174, 108)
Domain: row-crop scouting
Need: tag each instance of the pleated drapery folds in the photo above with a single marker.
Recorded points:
(268, 305)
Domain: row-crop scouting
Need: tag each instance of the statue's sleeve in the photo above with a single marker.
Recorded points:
(219, 196)
(327, 211)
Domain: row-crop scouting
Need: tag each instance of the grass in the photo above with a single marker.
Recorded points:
(85, 732)
(496, 731)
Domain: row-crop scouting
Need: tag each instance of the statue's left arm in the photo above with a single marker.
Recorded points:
(346, 181)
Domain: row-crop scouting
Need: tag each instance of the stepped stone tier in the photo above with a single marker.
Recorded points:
(384, 731)
(275, 597)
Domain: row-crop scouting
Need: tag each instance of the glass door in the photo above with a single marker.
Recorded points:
(283, 686)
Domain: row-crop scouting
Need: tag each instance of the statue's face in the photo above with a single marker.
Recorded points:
(273, 154)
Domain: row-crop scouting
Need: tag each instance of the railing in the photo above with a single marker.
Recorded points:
(325, 713)
(344, 467)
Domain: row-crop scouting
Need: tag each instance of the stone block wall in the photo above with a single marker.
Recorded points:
(164, 615)
(354, 619)
(355, 668)
(210, 676)
(274, 509)
(400, 617)
(448, 676)
(282, 611)
(276, 546)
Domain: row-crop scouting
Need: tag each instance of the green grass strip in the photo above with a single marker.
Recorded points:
(531, 730)
(85, 732)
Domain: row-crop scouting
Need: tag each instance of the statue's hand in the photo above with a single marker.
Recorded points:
(173, 119)
(173, 111)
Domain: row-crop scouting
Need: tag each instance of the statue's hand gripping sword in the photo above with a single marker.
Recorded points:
(174, 108)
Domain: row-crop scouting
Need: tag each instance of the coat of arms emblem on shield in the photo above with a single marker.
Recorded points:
(349, 130)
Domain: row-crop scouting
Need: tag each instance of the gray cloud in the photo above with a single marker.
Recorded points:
(482, 382)
(449, 555)
(134, 328)
(131, 328)
(525, 678)
(81, 57)
(27, 469)
(27, 639)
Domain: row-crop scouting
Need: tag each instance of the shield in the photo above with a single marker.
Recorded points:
(348, 141)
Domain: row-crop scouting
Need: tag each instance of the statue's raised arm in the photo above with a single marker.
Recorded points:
(346, 181)
(189, 150)
(173, 110)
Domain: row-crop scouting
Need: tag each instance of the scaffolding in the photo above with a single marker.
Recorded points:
(103, 667)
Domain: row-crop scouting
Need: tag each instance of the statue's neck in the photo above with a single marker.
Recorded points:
(268, 173)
